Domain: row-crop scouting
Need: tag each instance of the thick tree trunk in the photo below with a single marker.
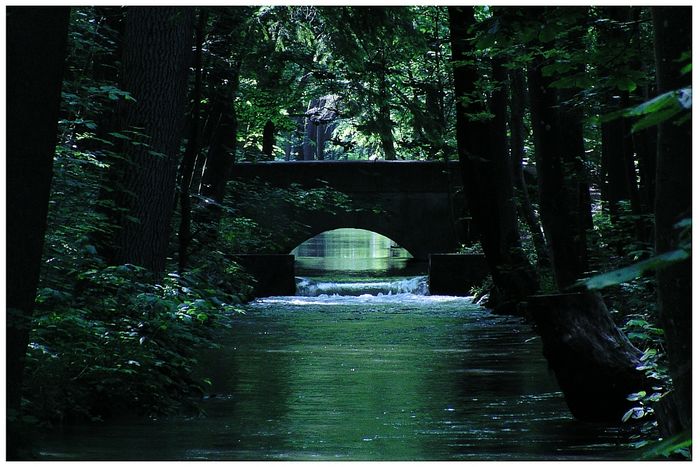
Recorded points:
(576, 178)
(36, 47)
(517, 154)
(594, 362)
(672, 28)
(618, 173)
(564, 204)
(486, 174)
(156, 59)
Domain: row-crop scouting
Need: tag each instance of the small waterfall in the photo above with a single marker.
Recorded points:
(308, 287)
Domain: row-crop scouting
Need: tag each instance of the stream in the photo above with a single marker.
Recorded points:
(365, 367)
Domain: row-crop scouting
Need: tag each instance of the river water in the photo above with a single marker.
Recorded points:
(364, 368)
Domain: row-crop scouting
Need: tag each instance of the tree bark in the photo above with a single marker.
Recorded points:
(268, 141)
(564, 197)
(672, 28)
(224, 81)
(619, 181)
(191, 151)
(384, 123)
(593, 361)
(517, 154)
(310, 130)
(221, 154)
(156, 58)
(36, 48)
(485, 173)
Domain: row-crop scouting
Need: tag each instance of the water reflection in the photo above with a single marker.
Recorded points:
(400, 377)
(350, 251)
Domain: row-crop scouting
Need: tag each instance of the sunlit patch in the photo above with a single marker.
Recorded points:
(351, 251)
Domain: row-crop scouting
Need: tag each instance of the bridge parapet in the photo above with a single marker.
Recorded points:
(358, 176)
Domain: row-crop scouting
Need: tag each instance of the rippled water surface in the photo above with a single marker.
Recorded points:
(395, 376)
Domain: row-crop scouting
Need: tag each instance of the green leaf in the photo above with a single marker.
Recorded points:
(648, 353)
(668, 446)
(636, 396)
(626, 84)
(118, 135)
(628, 273)
(683, 223)
(655, 118)
(634, 412)
(653, 105)
(548, 33)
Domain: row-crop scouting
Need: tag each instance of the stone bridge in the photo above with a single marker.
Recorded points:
(417, 204)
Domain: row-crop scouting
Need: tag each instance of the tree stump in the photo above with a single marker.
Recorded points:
(593, 361)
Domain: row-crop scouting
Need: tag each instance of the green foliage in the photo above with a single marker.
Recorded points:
(382, 63)
(628, 273)
(247, 231)
(110, 340)
(118, 344)
(677, 446)
(479, 291)
(661, 108)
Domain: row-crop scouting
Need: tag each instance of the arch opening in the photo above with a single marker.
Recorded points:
(351, 252)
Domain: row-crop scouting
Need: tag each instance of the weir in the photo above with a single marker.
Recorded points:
(309, 287)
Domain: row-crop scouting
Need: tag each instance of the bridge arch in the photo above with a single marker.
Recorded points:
(351, 250)
(413, 203)
(369, 226)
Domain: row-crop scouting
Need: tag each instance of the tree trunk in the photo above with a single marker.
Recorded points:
(156, 59)
(386, 133)
(644, 141)
(221, 155)
(645, 147)
(614, 183)
(299, 137)
(672, 28)
(576, 178)
(192, 149)
(106, 68)
(485, 173)
(617, 183)
(384, 123)
(36, 48)
(224, 80)
(563, 194)
(517, 154)
(310, 130)
(593, 361)
(268, 140)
